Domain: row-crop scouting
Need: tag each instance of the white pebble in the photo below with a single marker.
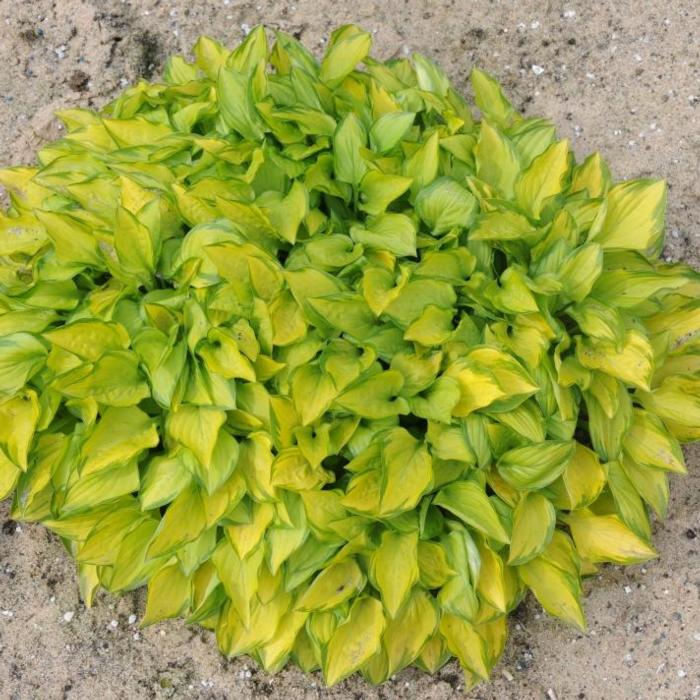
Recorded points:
(534, 24)
(537, 70)
(132, 619)
(136, 636)
(681, 673)
(569, 13)
(628, 590)
(114, 623)
(696, 636)
(68, 616)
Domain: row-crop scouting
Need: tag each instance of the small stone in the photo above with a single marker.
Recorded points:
(537, 70)
(132, 619)
(681, 673)
(696, 636)
(114, 624)
(628, 590)
(68, 616)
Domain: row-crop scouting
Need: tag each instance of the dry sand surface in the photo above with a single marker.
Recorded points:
(619, 76)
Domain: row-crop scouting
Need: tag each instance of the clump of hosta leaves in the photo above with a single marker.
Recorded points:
(335, 369)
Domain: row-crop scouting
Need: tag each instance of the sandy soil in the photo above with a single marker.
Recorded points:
(619, 76)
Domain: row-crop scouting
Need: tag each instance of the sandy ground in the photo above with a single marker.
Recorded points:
(622, 77)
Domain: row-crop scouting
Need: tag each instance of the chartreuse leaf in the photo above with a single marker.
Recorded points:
(544, 178)
(21, 357)
(556, 587)
(19, 416)
(348, 46)
(334, 585)
(606, 538)
(406, 633)
(582, 480)
(334, 368)
(468, 501)
(445, 204)
(387, 131)
(395, 233)
(465, 642)
(535, 466)
(169, 595)
(350, 137)
(632, 361)
(375, 397)
(355, 641)
(197, 429)
(379, 190)
(490, 100)
(394, 568)
(632, 216)
(648, 442)
(120, 435)
(675, 401)
(406, 472)
(533, 524)
(497, 162)
(580, 270)
(89, 339)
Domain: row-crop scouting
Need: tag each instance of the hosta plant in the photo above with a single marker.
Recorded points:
(333, 367)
